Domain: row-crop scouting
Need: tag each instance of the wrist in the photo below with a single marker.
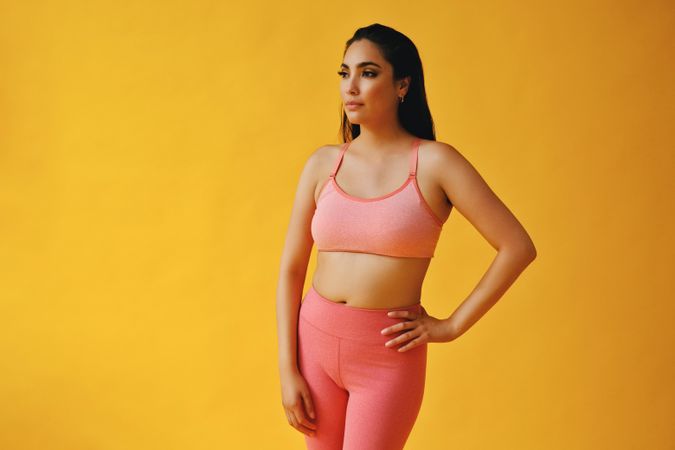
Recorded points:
(288, 367)
(449, 329)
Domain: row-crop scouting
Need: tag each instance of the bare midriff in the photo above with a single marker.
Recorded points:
(366, 280)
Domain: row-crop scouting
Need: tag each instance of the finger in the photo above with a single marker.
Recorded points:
(309, 405)
(399, 326)
(412, 344)
(307, 431)
(405, 314)
(304, 421)
(399, 313)
(302, 418)
(401, 338)
(291, 419)
(398, 338)
(300, 426)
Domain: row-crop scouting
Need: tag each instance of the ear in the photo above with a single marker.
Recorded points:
(405, 85)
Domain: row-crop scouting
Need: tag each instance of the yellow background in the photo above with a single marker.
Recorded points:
(149, 153)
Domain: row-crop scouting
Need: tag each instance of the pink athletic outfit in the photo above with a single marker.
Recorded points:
(399, 223)
(366, 396)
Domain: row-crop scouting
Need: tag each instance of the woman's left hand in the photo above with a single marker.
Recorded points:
(421, 328)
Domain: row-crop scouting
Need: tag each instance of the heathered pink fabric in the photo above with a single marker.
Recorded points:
(400, 223)
(366, 396)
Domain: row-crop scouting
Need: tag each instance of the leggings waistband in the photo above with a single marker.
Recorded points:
(351, 322)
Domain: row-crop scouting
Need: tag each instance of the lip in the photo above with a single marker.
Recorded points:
(353, 105)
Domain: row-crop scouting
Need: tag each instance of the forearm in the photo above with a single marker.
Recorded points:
(289, 295)
(503, 271)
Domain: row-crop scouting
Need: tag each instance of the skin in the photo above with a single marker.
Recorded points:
(375, 164)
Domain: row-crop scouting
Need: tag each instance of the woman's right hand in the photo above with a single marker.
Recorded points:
(297, 401)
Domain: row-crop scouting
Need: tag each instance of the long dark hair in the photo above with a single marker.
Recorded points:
(401, 53)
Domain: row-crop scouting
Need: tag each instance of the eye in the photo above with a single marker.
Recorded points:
(342, 73)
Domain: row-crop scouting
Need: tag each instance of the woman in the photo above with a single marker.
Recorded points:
(352, 354)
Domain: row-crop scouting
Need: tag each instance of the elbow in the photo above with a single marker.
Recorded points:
(524, 250)
(531, 248)
(530, 252)
(527, 249)
(532, 256)
(293, 273)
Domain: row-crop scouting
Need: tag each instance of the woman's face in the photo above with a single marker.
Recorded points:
(367, 78)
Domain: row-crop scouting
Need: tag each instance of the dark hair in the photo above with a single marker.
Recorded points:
(401, 53)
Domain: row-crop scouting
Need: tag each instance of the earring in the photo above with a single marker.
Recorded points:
(402, 97)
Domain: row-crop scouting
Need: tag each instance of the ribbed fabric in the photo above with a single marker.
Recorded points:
(400, 223)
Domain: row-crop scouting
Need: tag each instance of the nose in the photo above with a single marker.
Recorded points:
(352, 85)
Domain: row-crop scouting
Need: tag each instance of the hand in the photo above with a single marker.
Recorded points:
(422, 328)
(297, 402)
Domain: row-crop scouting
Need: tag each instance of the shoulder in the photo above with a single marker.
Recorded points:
(317, 154)
(444, 158)
(319, 162)
(439, 152)
(458, 177)
(448, 166)
(326, 151)
(321, 157)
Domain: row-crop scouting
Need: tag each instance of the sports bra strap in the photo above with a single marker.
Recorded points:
(413, 157)
(339, 159)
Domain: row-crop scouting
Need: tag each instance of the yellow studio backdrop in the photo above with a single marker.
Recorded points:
(149, 154)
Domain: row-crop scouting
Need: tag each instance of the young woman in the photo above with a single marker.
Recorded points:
(352, 353)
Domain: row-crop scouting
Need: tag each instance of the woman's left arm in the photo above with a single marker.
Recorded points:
(473, 198)
(476, 201)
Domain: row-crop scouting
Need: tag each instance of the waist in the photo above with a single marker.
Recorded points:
(369, 281)
(341, 320)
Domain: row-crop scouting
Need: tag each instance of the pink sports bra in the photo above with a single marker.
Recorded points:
(399, 223)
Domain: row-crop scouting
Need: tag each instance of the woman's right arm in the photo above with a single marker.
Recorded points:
(297, 250)
(294, 261)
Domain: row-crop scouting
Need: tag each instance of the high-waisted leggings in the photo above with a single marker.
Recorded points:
(366, 396)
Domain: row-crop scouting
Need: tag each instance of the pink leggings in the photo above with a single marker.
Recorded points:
(366, 396)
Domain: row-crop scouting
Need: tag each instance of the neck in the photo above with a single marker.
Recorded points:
(382, 139)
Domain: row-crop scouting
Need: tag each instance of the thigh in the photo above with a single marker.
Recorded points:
(318, 364)
(386, 388)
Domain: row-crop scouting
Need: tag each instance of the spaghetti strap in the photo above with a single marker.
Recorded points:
(339, 159)
(399, 223)
(413, 156)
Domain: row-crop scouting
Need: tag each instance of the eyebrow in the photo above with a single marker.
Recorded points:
(362, 64)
